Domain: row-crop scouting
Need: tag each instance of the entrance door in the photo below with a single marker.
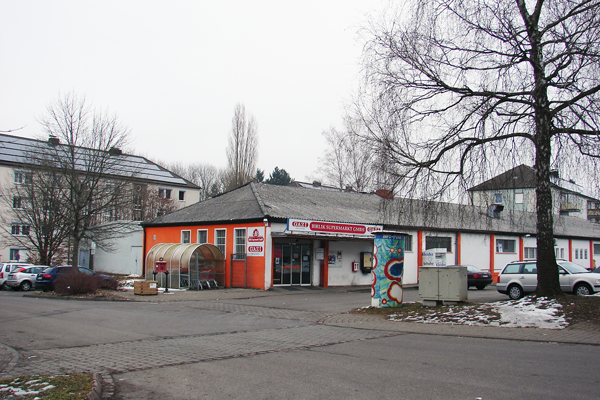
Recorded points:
(291, 264)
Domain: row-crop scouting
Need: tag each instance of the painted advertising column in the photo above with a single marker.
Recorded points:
(388, 259)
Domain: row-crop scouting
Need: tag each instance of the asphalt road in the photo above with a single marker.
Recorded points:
(277, 344)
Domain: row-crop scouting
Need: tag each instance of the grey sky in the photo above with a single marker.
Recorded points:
(174, 70)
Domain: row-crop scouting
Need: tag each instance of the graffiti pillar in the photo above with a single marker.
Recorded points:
(388, 259)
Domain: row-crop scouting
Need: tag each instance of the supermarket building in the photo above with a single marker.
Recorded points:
(271, 235)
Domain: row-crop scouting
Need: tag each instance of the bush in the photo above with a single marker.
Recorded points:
(79, 283)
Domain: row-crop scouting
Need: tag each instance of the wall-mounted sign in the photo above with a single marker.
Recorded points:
(302, 225)
(255, 242)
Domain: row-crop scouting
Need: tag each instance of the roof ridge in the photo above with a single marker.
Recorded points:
(261, 204)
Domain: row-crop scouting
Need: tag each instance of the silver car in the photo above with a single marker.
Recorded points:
(6, 268)
(520, 277)
(24, 278)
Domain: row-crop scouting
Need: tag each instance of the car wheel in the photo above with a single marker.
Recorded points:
(582, 289)
(480, 287)
(515, 292)
(25, 286)
(5, 286)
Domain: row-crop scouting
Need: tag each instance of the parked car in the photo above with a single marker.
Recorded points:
(24, 278)
(520, 277)
(45, 279)
(7, 268)
(476, 277)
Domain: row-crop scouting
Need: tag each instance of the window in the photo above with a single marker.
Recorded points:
(202, 236)
(498, 198)
(438, 242)
(186, 236)
(20, 229)
(530, 253)
(585, 254)
(23, 177)
(15, 254)
(220, 240)
(408, 243)
(505, 246)
(512, 269)
(164, 193)
(239, 243)
(518, 198)
(19, 202)
(181, 195)
(529, 268)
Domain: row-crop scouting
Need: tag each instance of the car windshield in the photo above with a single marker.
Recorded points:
(471, 268)
(48, 270)
(573, 268)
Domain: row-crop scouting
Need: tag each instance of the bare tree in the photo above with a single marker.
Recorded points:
(34, 202)
(84, 150)
(460, 85)
(348, 161)
(242, 151)
(207, 176)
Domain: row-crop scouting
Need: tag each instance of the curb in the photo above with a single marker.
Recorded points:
(103, 387)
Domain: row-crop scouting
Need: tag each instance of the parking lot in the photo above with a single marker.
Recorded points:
(239, 343)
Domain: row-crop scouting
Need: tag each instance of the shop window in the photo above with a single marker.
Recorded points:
(530, 253)
(186, 236)
(505, 246)
(438, 242)
(239, 244)
(498, 198)
(202, 236)
(220, 240)
(408, 243)
(182, 195)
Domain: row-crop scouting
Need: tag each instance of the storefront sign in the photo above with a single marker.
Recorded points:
(301, 225)
(255, 243)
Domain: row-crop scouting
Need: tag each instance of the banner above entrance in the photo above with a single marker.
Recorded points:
(309, 226)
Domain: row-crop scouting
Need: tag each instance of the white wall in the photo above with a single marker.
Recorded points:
(340, 273)
(580, 253)
(501, 259)
(126, 260)
(475, 250)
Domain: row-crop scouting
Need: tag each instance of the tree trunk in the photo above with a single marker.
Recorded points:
(547, 271)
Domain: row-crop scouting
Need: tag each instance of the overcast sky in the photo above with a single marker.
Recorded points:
(174, 70)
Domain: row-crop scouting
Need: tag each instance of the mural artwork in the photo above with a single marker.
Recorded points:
(388, 258)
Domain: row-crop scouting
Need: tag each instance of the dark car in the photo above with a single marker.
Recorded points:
(45, 280)
(476, 277)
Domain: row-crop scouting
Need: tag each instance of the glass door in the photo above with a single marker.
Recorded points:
(291, 264)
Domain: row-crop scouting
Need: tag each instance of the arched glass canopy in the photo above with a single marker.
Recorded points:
(190, 265)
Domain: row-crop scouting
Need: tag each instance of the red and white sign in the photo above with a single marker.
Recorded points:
(300, 225)
(255, 242)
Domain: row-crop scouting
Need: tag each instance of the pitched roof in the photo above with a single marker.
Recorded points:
(17, 152)
(519, 177)
(256, 201)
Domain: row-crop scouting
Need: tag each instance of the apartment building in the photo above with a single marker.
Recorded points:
(154, 191)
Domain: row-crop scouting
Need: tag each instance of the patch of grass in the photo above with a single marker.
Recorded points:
(47, 387)
(581, 312)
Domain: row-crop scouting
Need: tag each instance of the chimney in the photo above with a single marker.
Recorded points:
(53, 141)
(385, 194)
(115, 151)
(316, 183)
